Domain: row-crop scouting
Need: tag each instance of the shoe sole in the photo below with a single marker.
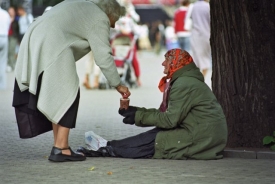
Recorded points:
(64, 158)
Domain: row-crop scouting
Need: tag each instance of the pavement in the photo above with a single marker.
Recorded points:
(26, 160)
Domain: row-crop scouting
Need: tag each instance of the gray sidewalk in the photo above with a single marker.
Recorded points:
(25, 160)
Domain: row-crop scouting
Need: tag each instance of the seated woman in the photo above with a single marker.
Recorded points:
(190, 123)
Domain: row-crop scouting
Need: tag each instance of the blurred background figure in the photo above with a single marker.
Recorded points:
(25, 19)
(130, 9)
(170, 36)
(127, 25)
(4, 29)
(183, 35)
(91, 68)
(158, 30)
(13, 38)
(143, 40)
(200, 43)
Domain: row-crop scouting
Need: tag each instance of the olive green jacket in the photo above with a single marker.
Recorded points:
(194, 125)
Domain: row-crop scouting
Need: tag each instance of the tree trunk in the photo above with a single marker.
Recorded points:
(243, 51)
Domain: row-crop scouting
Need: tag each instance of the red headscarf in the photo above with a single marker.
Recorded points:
(177, 59)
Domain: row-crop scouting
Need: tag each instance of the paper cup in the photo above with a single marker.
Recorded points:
(124, 103)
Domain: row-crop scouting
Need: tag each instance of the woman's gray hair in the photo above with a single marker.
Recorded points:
(111, 7)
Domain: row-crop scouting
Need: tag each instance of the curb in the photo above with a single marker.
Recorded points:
(247, 154)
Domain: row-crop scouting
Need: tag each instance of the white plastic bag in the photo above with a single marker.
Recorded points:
(94, 141)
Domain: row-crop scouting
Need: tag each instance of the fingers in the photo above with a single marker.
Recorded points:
(121, 111)
(125, 120)
(128, 120)
(126, 94)
(124, 91)
(124, 112)
(127, 112)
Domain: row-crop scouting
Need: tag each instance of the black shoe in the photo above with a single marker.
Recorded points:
(107, 151)
(57, 156)
(89, 153)
(101, 152)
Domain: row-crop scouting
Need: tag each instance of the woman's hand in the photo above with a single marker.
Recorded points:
(123, 90)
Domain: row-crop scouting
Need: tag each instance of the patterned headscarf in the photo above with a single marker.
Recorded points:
(177, 59)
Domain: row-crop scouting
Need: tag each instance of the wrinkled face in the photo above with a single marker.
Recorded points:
(166, 65)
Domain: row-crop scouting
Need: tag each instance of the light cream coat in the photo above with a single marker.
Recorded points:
(53, 43)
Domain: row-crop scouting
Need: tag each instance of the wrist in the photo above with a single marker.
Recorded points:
(117, 86)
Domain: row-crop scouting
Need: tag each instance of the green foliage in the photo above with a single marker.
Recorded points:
(270, 141)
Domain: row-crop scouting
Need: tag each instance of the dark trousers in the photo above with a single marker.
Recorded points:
(138, 146)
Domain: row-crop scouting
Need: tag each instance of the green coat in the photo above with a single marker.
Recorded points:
(194, 125)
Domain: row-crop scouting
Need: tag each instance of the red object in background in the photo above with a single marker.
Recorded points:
(141, 2)
(168, 2)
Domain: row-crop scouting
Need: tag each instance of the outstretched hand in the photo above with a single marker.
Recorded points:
(123, 90)
(129, 115)
(130, 120)
(126, 112)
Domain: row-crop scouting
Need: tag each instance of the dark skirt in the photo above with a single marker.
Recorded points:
(31, 122)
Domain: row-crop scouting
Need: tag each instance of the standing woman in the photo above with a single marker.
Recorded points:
(4, 44)
(183, 35)
(13, 37)
(46, 93)
(200, 37)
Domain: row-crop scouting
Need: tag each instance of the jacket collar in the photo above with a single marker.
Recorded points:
(181, 71)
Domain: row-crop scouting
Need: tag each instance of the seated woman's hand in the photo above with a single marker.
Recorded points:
(127, 112)
(129, 119)
(129, 115)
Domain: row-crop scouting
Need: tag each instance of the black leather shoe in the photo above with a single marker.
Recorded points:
(57, 156)
(107, 151)
(89, 153)
(101, 152)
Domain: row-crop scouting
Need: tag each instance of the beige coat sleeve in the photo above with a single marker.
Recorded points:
(101, 48)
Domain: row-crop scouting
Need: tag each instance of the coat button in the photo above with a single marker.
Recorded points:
(156, 143)
(178, 141)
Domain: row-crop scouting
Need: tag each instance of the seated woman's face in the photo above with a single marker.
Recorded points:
(165, 63)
